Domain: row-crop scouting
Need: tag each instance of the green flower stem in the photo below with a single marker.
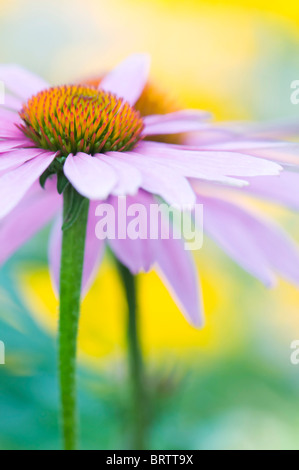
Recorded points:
(72, 257)
(139, 407)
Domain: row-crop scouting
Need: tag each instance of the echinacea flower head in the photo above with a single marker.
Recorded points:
(72, 119)
(115, 137)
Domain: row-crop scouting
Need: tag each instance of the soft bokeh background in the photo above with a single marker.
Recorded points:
(230, 385)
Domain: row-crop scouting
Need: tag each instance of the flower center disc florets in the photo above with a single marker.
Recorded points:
(78, 118)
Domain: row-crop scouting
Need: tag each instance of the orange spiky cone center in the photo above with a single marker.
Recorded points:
(81, 118)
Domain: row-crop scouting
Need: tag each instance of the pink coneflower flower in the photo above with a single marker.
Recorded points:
(94, 138)
(95, 143)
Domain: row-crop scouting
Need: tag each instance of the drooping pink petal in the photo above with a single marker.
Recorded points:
(173, 263)
(36, 209)
(16, 157)
(160, 179)
(54, 252)
(258, 245)
(15, 183)
(138, 254)
(128, 79)
(174, 123)
(20, 81)
(90, 176)
(281, 252)
(130, 178)
(288, 155)
(179, 273)
(282, 189)
(234, 236)
(94, 249)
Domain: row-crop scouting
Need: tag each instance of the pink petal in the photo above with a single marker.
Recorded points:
(10, 144)
(140, 254)
(183, 165)
(90, 176)
(16, 157)
(287, 155)
(174, 123)
(94, 250)
(128, 79)
(159, 179)
(283, 189)
(207, 164)
(9, 130)
(15, 183)
(129, 177)
(256, 244)
(35, 210)
(54, 252)
(11, 102)
(20, 81)
(174, 263)
(179, 272)
(8, 115)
